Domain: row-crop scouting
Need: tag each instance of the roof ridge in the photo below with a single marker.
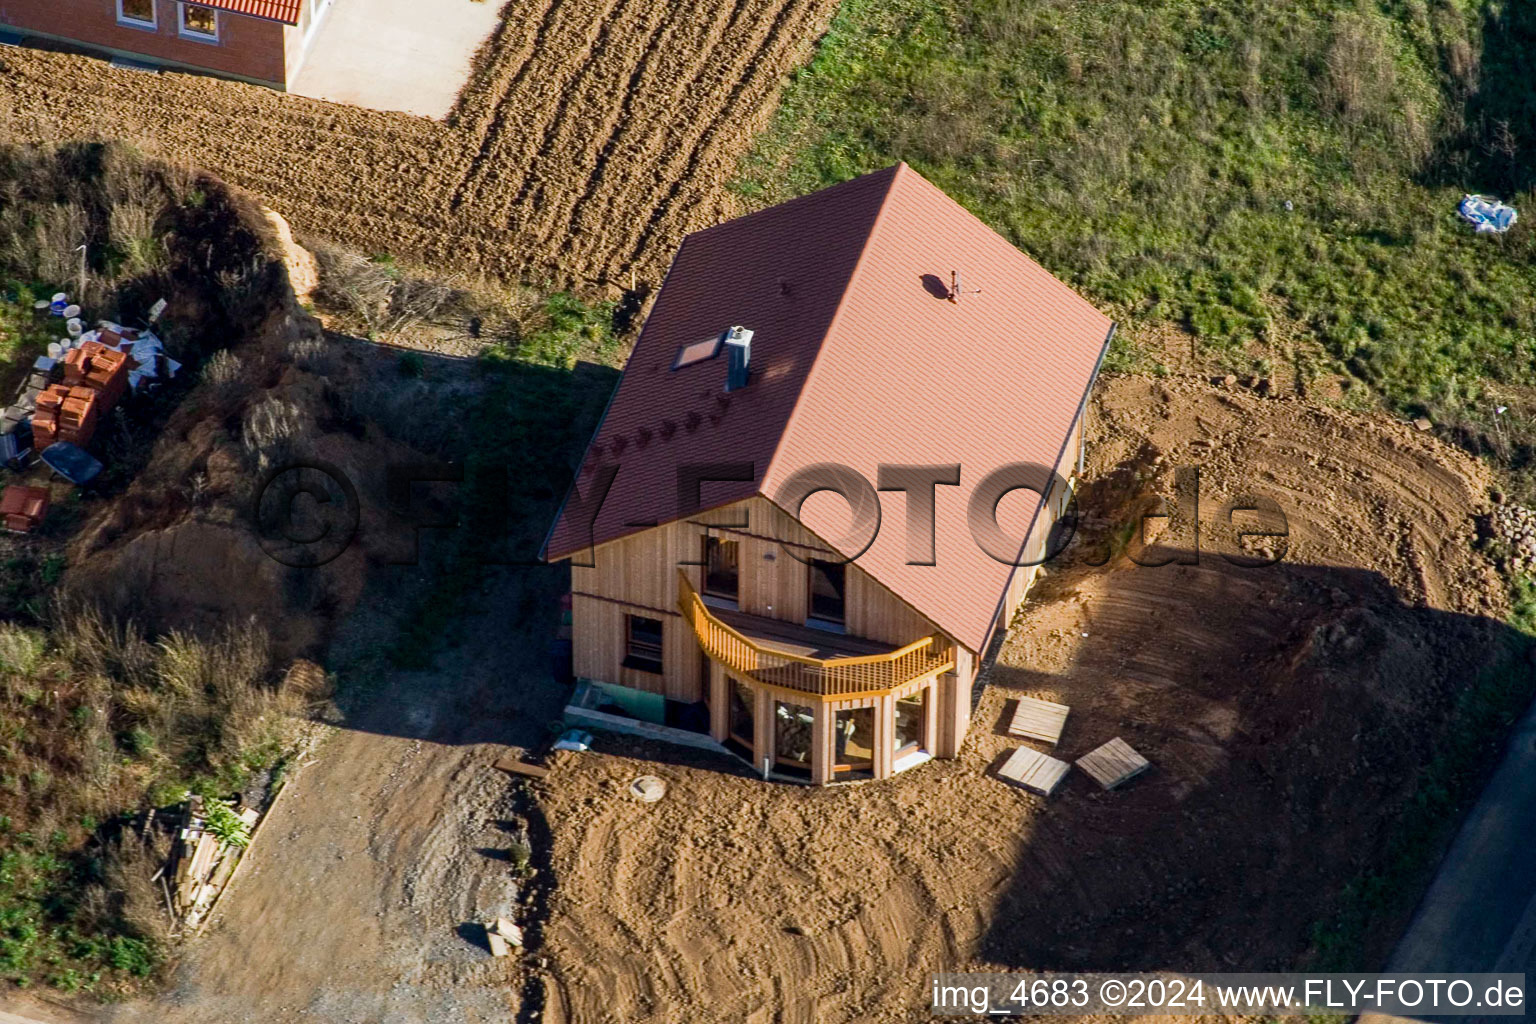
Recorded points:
(842, 302)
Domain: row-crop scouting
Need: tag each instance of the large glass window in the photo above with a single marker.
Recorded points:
(743, 716)
(828, 581)
(792, 735)
(854, 736)
(722, 568)
(911, 722)
(643, 643)
(140, 13)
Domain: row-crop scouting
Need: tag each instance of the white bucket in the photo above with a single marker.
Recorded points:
(72, 312)
(74, 327)
(55, 350)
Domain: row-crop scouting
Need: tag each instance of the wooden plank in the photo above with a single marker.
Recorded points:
(1037, 719)
(499, 946)
(1036, 772)
(244, 855)
(1113, 764)
(510, 764)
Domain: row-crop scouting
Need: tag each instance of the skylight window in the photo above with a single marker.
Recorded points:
(696, 352)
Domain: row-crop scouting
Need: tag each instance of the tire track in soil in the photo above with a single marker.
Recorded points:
(500, 90)
(593, 134)
(556, 69)
(600, 52)
(667, 95)
(616, 121)
(657, 223)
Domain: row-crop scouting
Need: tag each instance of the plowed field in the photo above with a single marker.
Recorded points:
(594, 134)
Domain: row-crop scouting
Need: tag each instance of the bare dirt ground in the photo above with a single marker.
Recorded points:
(594, 134)
(1285, 710)
(368, 884)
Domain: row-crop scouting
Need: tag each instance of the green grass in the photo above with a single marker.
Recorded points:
(1145, 151)
(23, 334)
(98, 721)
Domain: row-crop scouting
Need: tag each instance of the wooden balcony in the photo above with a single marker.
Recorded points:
(784, 656)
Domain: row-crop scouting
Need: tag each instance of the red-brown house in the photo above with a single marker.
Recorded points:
(871, 326)
(261, 41)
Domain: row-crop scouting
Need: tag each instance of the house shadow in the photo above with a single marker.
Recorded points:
(452, 640)
(1295, 716)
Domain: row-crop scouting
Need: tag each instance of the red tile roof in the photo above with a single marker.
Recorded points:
(286, 11)
(859, 359)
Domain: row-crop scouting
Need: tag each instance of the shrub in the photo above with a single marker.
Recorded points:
(411, 364)
(225, 825)
(269, 428)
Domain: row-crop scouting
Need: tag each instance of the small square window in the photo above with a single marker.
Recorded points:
(140, 13)
(643, 647)
(199, 22)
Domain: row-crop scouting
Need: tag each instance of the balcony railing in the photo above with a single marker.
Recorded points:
(826, 677)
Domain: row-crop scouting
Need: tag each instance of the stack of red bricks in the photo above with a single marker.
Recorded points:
(95, 377)
(22, 508)
(99, 368)
(65, 413)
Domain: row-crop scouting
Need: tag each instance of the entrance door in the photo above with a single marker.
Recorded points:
(910, 731)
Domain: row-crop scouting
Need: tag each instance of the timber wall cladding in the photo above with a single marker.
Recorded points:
(638, 575)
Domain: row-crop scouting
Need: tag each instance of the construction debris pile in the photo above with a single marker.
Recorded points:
(1514, 529)
(204, 857)
(66, 396)
(78, 382)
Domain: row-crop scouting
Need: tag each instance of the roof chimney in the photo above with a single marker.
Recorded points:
(738, 353)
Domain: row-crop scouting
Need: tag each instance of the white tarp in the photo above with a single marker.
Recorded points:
(145, 349)
(1488, 216)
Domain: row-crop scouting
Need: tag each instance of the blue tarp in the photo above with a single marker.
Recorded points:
(1488, 216)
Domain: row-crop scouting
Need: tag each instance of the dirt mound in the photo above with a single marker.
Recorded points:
(1285, 711)
(179, 548)
(593, 136)
(1360, 491)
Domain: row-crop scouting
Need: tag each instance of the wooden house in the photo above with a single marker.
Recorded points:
(874, 332)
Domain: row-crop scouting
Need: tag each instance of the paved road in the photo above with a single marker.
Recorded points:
(1480, 912)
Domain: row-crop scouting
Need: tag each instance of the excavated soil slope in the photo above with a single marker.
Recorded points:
(1285, 710)
(594, 134)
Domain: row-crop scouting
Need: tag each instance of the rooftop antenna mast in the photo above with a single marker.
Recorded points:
(955, 291)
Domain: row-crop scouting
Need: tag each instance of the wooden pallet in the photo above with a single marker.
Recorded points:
(1114, 763)
(1037, 719)
(1036, 772)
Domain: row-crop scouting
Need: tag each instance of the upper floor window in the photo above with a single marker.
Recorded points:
(199, 22)
(722, 568)
(138, 13)
(828, 589)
